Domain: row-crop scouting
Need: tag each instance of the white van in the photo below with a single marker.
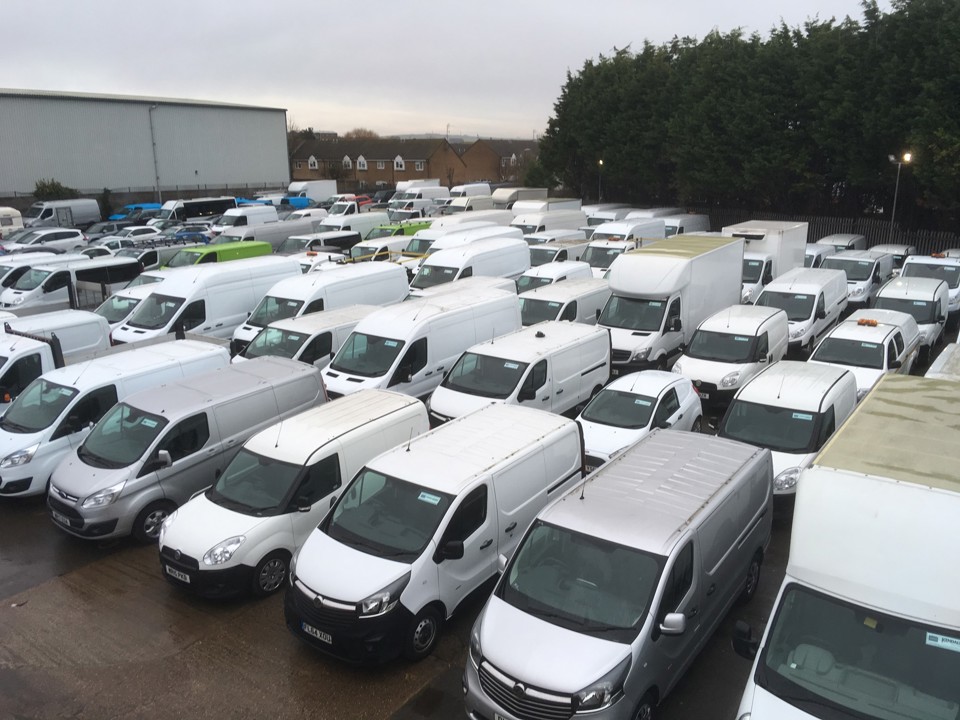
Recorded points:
(51, 417)
(245, 216)
(480, 282)
(611, 240)
(505, 198)
(467, 203)
(560, 250)
(157, 447)
(900, 254)
(616, 587)
(473, 189)
(654, 212)
(538, 222)
(370, 283)
(276, 489)
(842, 242)
(457, 237)
(685, 224)
(947, 364)
(314, 338)
(940, 267)
(78, 212)
(488, 217)
(814, 255)
(414, 202)
(118, 308)
(409, 346)
(555, 366)
(502, 257)
(206, 299)
(866, 271)
(926, 299)
(792, 408)
(275, 233)
(731, 347)
(10, 220)
(80, 332)
(871, 344)
(382, 249)
(579, 300)
(361, 223)
(866, 623)
(420, 528)
(814, 300)
(88, 281)
(552, 273)
(13, 266)
(544, 205)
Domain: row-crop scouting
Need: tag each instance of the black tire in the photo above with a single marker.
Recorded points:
(270, 574)
(662, 363)
(423, 634)
(752, 580)
(646, 708)
(146, 528)
(697, 426)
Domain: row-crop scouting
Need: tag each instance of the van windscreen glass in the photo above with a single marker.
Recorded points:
(752, 269)
(526, 282)
(144, 280)
(798, 306)
(581, 583)
(722, 347)
(276, 342)
(845, 351)
(387, 517)
(121, 437)
(633, 313)
(184, 258)
(923, 311)
(826, 655)
(293, 245)
(417, 247)
(431, 275)
(254, 484)
(948, 273)
(536, 311)
(779, 429)
(525, 229)
(618, 408)
(542, 255)
(367, 355)
(37, 407)
(856, 270)
(486, 376)
(600, 257)
(31, 279)
(116, 307)
(272, 309)
(155, 312)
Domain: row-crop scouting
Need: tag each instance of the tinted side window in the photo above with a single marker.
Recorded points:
(465, 273)
(209, 257)
(193, 315)
(678, 583)
(88, 410)
(468, 517)
(186, 437)
(821, 307)
(569, 312)
(763, 346)
(416, 356)
(319, 347)
(537, 377)
(673, 312)
(898, 341)
(321, 479)
(315, 306)
(667, 407)
(56, 282)
(23, 372)
(827, 426)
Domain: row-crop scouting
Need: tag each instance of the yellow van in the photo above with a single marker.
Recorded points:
(219, 253)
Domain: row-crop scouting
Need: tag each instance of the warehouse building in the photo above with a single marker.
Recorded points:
(90, 142)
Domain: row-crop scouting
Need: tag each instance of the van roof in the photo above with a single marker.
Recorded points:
(894, 249)
(932, 260)
(205, 249)
(754, 226)
(556, 269)
(182, 278)
(53, 321)
(805, 279)
(911, 288)
(474, 234)
(531, 343)
(884, 323)
(101, 370)
(647, 496)
(621, 227)
(314, 322)
(396, 319)
(526, 218)
(457, 255)
(183, 397)
(567, 289)
(793, 384)
(299, 437)
(741, 319)
(451, 457)
(838, 238)
(858, 255)
(563, 237)
(104, 261)
(303, 285)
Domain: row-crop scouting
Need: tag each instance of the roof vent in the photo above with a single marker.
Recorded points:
(540, 334)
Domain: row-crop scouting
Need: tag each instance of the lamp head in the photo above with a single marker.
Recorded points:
(907, 157)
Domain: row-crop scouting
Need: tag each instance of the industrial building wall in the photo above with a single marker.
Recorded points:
(90, 144)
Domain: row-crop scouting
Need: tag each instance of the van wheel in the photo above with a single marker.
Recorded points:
(697, 425)
(422, 634)
(753, 578)
(270, 574)
(146, 528)
(662, 363)
(645, 708)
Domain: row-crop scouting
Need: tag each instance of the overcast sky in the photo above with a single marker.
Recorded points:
(492, 68)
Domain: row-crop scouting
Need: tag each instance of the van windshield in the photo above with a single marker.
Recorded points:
(272, 309)
(615, 237)
(923, 311)
(798, 306)
(536, 311)
(276, 342)
(254, 484)
(844, 351)
(155, 312)
(417, 247)
(600, 257)
(383, 231)
(581, 583)
(31, 279)
(779, 429)
(856, 270)
(231, 220)
(37, 407)
(752, 270)
(621, 409)
(486, 376)
(184, 258)
(293, 245)
(633, 313)
(144, 279)
(542, 255)
(116, 307)
(121, 437)
(526, 229)
(722, 347)
(387, 517)
(826, 655)
(527, 282)
(431, 275)
(34, 210)
(948, 273)
(367, 355)
(362, 253)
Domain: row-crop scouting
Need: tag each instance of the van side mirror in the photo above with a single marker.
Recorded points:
(501, 563)
(895, 365)
(303, 504)
(674, 624)
(526, 394)
(821, 314)
(162, 460)
(333, 500)
(404, 374)
(942, 319)
(674, 325)
(451, 550)
(598, 313)
(744, 644)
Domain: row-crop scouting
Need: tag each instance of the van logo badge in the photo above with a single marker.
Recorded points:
(519, 690)
(177, 555)
(697, 383)
(318, 601)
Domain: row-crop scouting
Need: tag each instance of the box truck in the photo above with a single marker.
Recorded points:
(770, 249)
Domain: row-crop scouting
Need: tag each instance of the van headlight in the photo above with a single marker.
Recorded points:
(677, 367)
(862, 393)
(222, 552)
(385, 600)
(641, 354)
(20, 457)
(605, 691)
(476, 652)
(796, 332)
(164, 525)
(730, 379)
(856, 292)
(103, 497)
(787, 479)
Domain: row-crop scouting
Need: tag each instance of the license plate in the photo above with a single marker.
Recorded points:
(498, 716)
(318, 634)
(705, 396)
(62, 519)
(614, 372)
(174, 573)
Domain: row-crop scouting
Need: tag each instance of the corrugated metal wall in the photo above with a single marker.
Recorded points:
(91, 144)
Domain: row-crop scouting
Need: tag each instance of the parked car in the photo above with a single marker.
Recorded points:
(48, 239)
(138, 233)
(102, 229)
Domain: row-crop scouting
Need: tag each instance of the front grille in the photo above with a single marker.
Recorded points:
(64, 509)
(524, 702)
(620, 356)
(323, 615)
(168, 553)
(61, 494)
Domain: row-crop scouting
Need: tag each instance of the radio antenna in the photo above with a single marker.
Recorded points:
(410, 440)
(279, 428)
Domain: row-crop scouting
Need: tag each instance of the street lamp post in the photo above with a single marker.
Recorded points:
(905, 158)
(600, 181)
(153, 145)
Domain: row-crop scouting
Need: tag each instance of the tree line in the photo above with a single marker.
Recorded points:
(804, 121)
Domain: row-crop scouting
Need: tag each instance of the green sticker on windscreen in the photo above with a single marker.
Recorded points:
(429, 498)
(802, 416)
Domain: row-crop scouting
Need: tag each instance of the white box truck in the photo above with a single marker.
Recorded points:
(770, 249)
(866, 624)
(314, 189)
(662, 292)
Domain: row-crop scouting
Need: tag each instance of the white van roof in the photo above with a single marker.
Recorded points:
(912, 288)
(395, 320)
(858, 255)
(306, 284)
(451, 457)
(875, 325)
(180, 281)
(301, 435)
(456, 256)
(629, 226)
(805, 280)
(314, 322)
(566, 290)
(52, 321)
(104, 261)
(532, 343)
(557, 269)
(666, 479)
(741, 319)
(472, 235)
(567, 236)
(793, 384)
(839, 239)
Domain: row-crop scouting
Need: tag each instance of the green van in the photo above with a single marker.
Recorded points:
(219, 253)
(404, 227)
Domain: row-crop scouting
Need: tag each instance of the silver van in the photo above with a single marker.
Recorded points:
(618, 585)
(152, 451)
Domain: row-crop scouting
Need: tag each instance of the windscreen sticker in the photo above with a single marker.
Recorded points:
(802, 416)
(800, 297)
(869, 346)
(921, 303)
(656, 303)
(740, 338)
(390, 343)
(944, 642)
(510, 366)
(147, 422)
(65, 392)
(645, 403)
(429, 498)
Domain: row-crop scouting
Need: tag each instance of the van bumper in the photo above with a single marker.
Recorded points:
(184, 572)
(20, 486)
(367, 641)
(68, 519)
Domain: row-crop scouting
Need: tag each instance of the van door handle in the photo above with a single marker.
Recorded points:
(428, 374)
(486, 544)
(711, 589)
(511, 526)
(219, 325)
(559, 391)
(545, 399)
(439, 369)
